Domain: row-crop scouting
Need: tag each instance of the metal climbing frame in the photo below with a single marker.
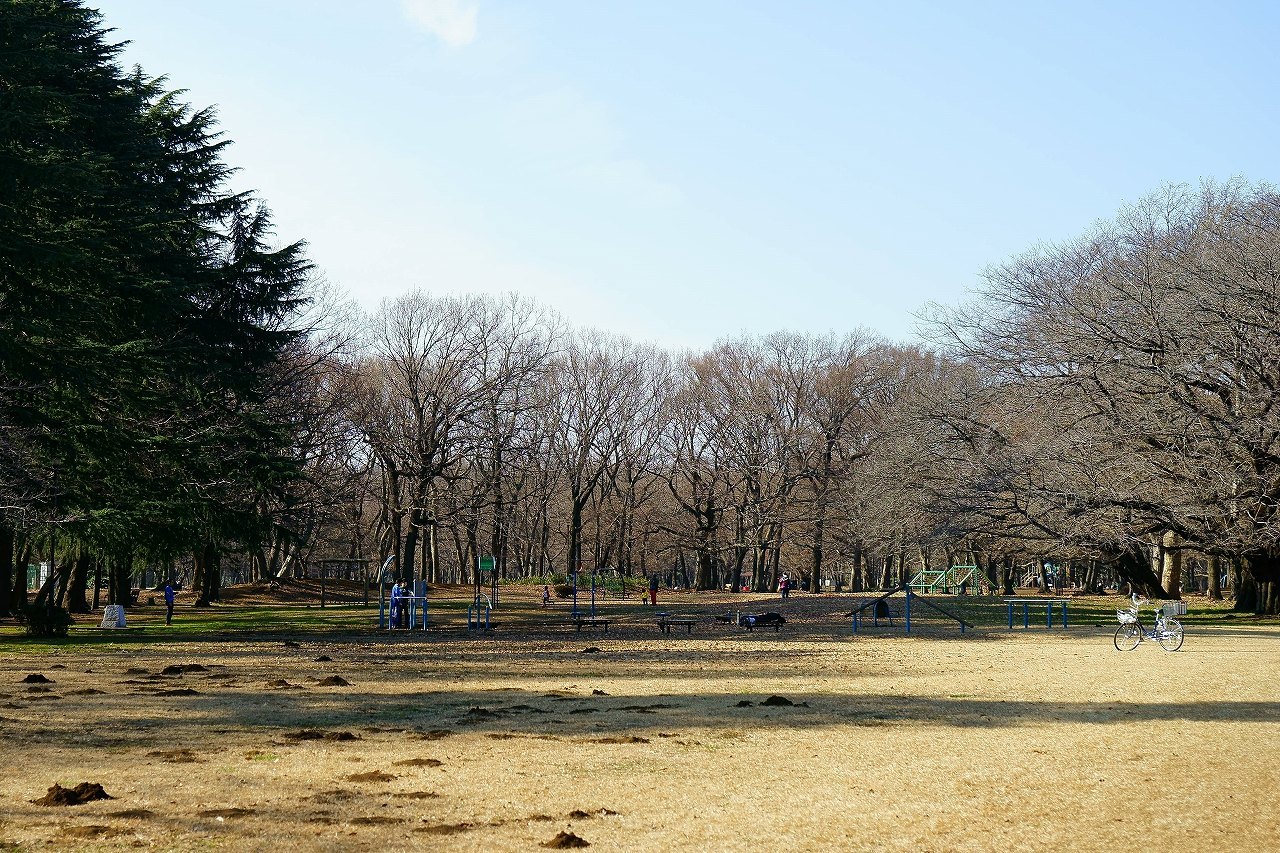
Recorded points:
(950, 580)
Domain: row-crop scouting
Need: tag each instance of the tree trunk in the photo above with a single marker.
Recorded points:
(1171, 570)
(120, 583)
(1214, 569)
(97, 580)
(6, 568)
(78, 585)
(210, 589)
(1259, 587)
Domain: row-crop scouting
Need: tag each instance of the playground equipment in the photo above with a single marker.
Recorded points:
(481, 607)
(880, 609)
(949, 580)
(415, 604)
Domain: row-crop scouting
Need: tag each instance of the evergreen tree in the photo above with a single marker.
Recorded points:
(142, 306)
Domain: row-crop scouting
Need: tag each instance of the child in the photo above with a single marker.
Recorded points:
(546, 596)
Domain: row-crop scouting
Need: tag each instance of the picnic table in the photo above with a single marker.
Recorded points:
(580, 622)
(1026, 603)
(666, 620)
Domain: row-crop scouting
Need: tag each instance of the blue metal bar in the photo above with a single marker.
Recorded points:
(1064, 614)
(1025, 624)
(907, 610)
(1048, 615)
(1009, 605)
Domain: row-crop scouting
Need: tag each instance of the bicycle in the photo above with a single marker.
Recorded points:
(1167, 631)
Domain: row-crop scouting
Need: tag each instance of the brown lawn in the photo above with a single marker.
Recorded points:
(992, 741)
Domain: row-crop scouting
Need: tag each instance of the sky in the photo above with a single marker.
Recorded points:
(682, 172)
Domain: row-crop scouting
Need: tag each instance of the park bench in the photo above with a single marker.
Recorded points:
(589, 622)
(666, 620)
(751, 621)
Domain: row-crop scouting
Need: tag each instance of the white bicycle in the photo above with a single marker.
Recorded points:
(1167, 630)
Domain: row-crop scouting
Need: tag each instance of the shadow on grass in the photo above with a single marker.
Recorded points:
(571, 713)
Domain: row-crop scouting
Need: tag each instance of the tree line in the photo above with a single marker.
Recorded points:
(179, 391)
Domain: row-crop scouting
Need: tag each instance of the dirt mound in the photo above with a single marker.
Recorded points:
(37, 678)
(281, 684)
(133, 814)
(234, 811)
(777, 700)
(446, 828)
(371, 776)
(181, 691)
(83, 793)
(434, 734)
(417, 795)
(418, 762)
(181, 668)
(373, 820)
(333, 681)
(316, 734)
(293, 591)
(175, 756)
(93, 830)
(566, 840)
(324, 659)
(620, 739)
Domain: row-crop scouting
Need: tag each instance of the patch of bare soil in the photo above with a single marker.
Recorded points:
(375, 820)
(179, 691)
(1033, 740)
(85, 792)
(371, 776)
(175, 756)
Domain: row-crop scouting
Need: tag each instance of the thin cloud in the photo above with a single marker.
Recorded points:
(451, 21)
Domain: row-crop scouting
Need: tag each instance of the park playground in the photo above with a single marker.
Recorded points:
(270, 723)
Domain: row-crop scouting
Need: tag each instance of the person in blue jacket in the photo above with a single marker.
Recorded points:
(168, 603)
(396, 593)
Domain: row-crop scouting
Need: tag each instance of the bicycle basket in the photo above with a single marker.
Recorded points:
(1126, 617)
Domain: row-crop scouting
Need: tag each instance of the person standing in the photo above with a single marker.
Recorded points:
(169, 597)
(395, 605)
(653, 590)
(546, 595)
(784, 584)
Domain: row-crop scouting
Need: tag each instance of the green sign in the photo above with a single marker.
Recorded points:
(486, 564)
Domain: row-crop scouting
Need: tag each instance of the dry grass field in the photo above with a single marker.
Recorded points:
(632, 740)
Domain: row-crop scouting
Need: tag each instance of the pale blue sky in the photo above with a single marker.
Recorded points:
(684, 171)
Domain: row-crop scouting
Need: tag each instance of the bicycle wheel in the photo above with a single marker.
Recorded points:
(1171, 636)
(1128, 637)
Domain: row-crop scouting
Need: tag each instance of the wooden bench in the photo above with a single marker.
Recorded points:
(587, 622)
(751, 624)
(665, 623)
